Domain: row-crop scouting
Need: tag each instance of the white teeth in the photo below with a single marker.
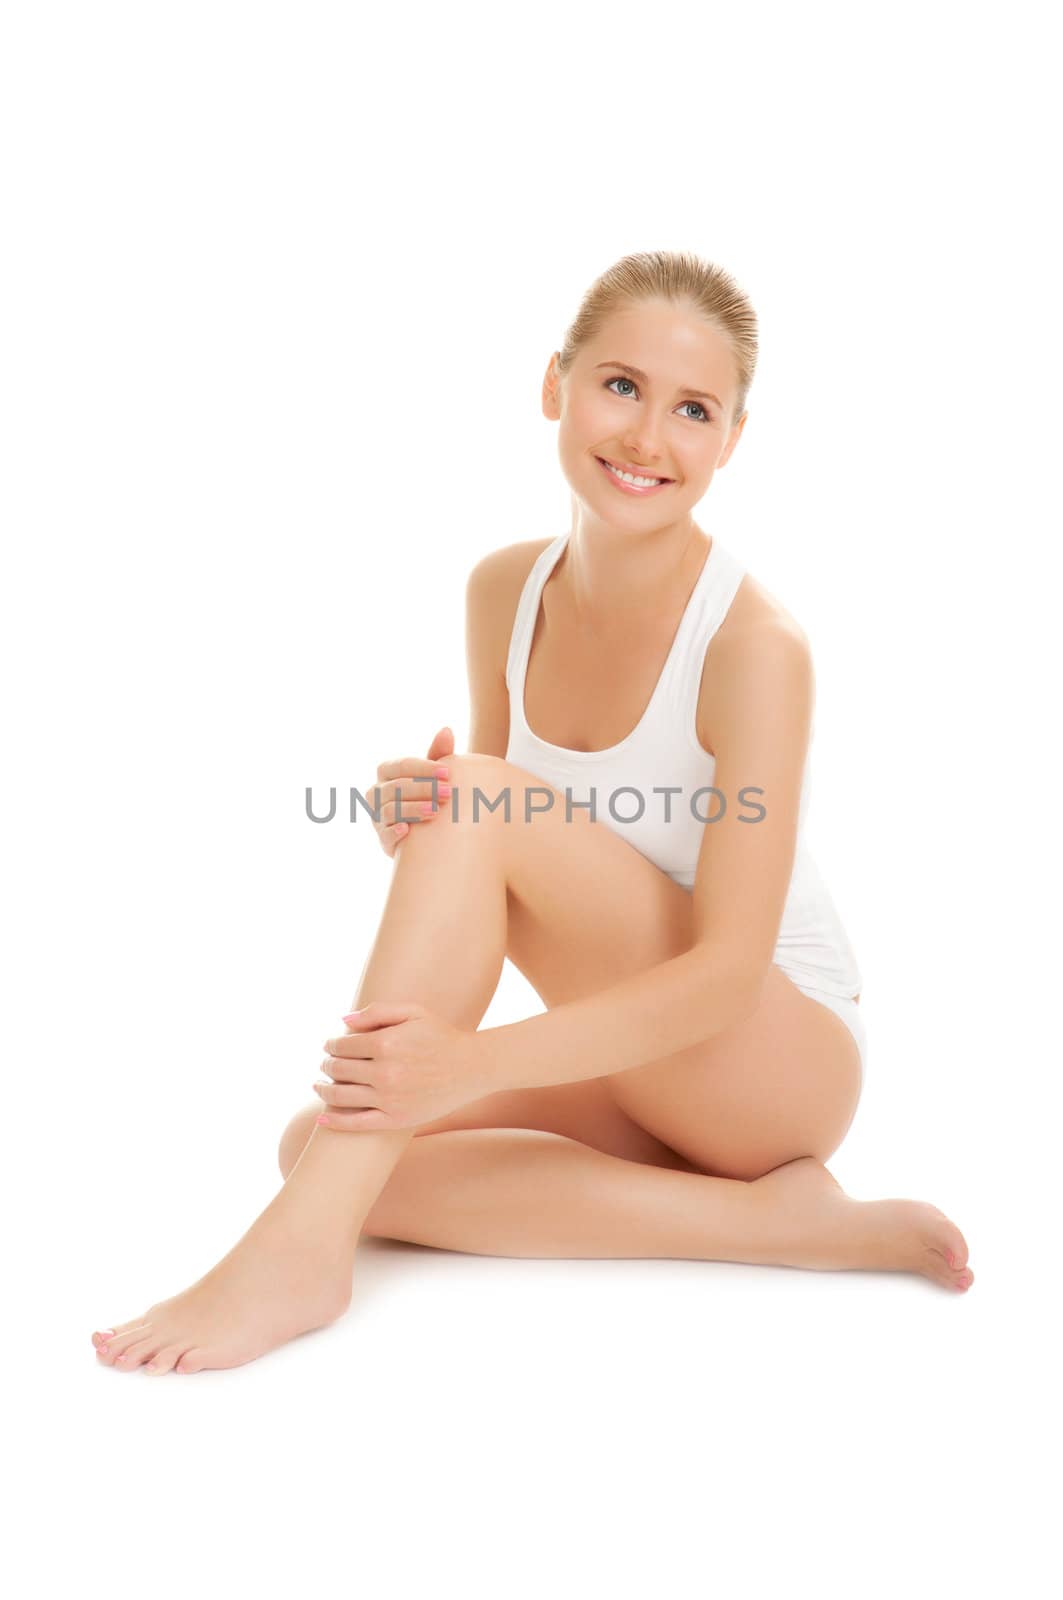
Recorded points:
(640, 483)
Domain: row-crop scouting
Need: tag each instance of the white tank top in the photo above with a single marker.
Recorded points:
(625, 783)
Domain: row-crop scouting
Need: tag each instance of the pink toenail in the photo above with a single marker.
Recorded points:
(108, 1333)
(321, 1119)
(950, 1258)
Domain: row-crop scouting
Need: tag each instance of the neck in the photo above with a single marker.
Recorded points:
(613, 574)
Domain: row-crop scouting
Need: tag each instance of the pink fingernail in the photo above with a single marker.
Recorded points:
(321, 1119)
(352, 1014)
(108, 1333)
(442, 772)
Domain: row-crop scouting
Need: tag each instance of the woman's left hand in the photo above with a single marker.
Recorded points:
(399, 1067)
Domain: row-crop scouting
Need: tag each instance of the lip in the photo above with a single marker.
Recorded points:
(639, 472)
(631, 488)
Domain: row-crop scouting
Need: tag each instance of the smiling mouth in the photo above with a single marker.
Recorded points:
(615, 467)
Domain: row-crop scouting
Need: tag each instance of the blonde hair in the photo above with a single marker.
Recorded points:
(676, 276)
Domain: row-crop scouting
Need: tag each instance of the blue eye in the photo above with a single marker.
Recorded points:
(704, 414)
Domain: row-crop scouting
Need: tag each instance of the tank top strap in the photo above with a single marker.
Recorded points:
(524, 618)
(677, 692)
(709, 606)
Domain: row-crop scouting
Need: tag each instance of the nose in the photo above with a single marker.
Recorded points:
(642, 440)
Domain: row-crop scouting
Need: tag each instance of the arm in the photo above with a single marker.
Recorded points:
(759, 706)
(491, 594)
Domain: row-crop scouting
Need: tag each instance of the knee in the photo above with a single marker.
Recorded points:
(477, 781)
(295, 1137)
(476, 768)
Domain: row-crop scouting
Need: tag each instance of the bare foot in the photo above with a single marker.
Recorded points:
(277, 1282)
(821, 1226)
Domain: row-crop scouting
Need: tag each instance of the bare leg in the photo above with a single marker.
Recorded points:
(525, 1192)
(292, 1270)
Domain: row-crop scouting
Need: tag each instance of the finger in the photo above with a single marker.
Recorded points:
(347, 1096)
(406, 768)
(411, 791)
(412, 807)
(393, 818)
(353, 1121)
(348, 1048)
(358, 1044)
(347, 1069)
(381, 1014)
(442, 744)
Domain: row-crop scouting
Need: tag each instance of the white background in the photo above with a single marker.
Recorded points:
(281, 286)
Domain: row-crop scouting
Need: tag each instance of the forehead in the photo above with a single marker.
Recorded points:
(672, 343)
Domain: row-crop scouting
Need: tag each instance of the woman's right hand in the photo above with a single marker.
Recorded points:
(400, 788)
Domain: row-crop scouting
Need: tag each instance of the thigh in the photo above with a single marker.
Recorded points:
(585, 910)
(570, 883)
(581, 1111)
(585, 1111)
(781, 1084)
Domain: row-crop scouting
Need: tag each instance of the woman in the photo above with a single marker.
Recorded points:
(702, 1049)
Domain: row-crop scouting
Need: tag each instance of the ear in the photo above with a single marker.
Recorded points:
(732, 440)
(552, 390)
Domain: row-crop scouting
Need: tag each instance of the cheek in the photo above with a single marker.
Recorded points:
(703, 461)
(587, 420)
(693, 465)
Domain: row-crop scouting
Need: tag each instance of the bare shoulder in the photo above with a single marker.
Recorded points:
(491, 595)
(501, 569)
(759, 657)
(756, 613)
(494, 585)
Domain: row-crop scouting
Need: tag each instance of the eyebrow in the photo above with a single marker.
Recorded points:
(694, 394)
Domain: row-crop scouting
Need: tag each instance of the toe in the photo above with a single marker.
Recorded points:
(945, 1239)
(938, 1269)
(121, 1341)
(105, 1335)
(191, 1361)
(165, 1360)
(955, 1248)
(134, 1355)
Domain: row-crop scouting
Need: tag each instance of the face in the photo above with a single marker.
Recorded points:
(646, 425)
